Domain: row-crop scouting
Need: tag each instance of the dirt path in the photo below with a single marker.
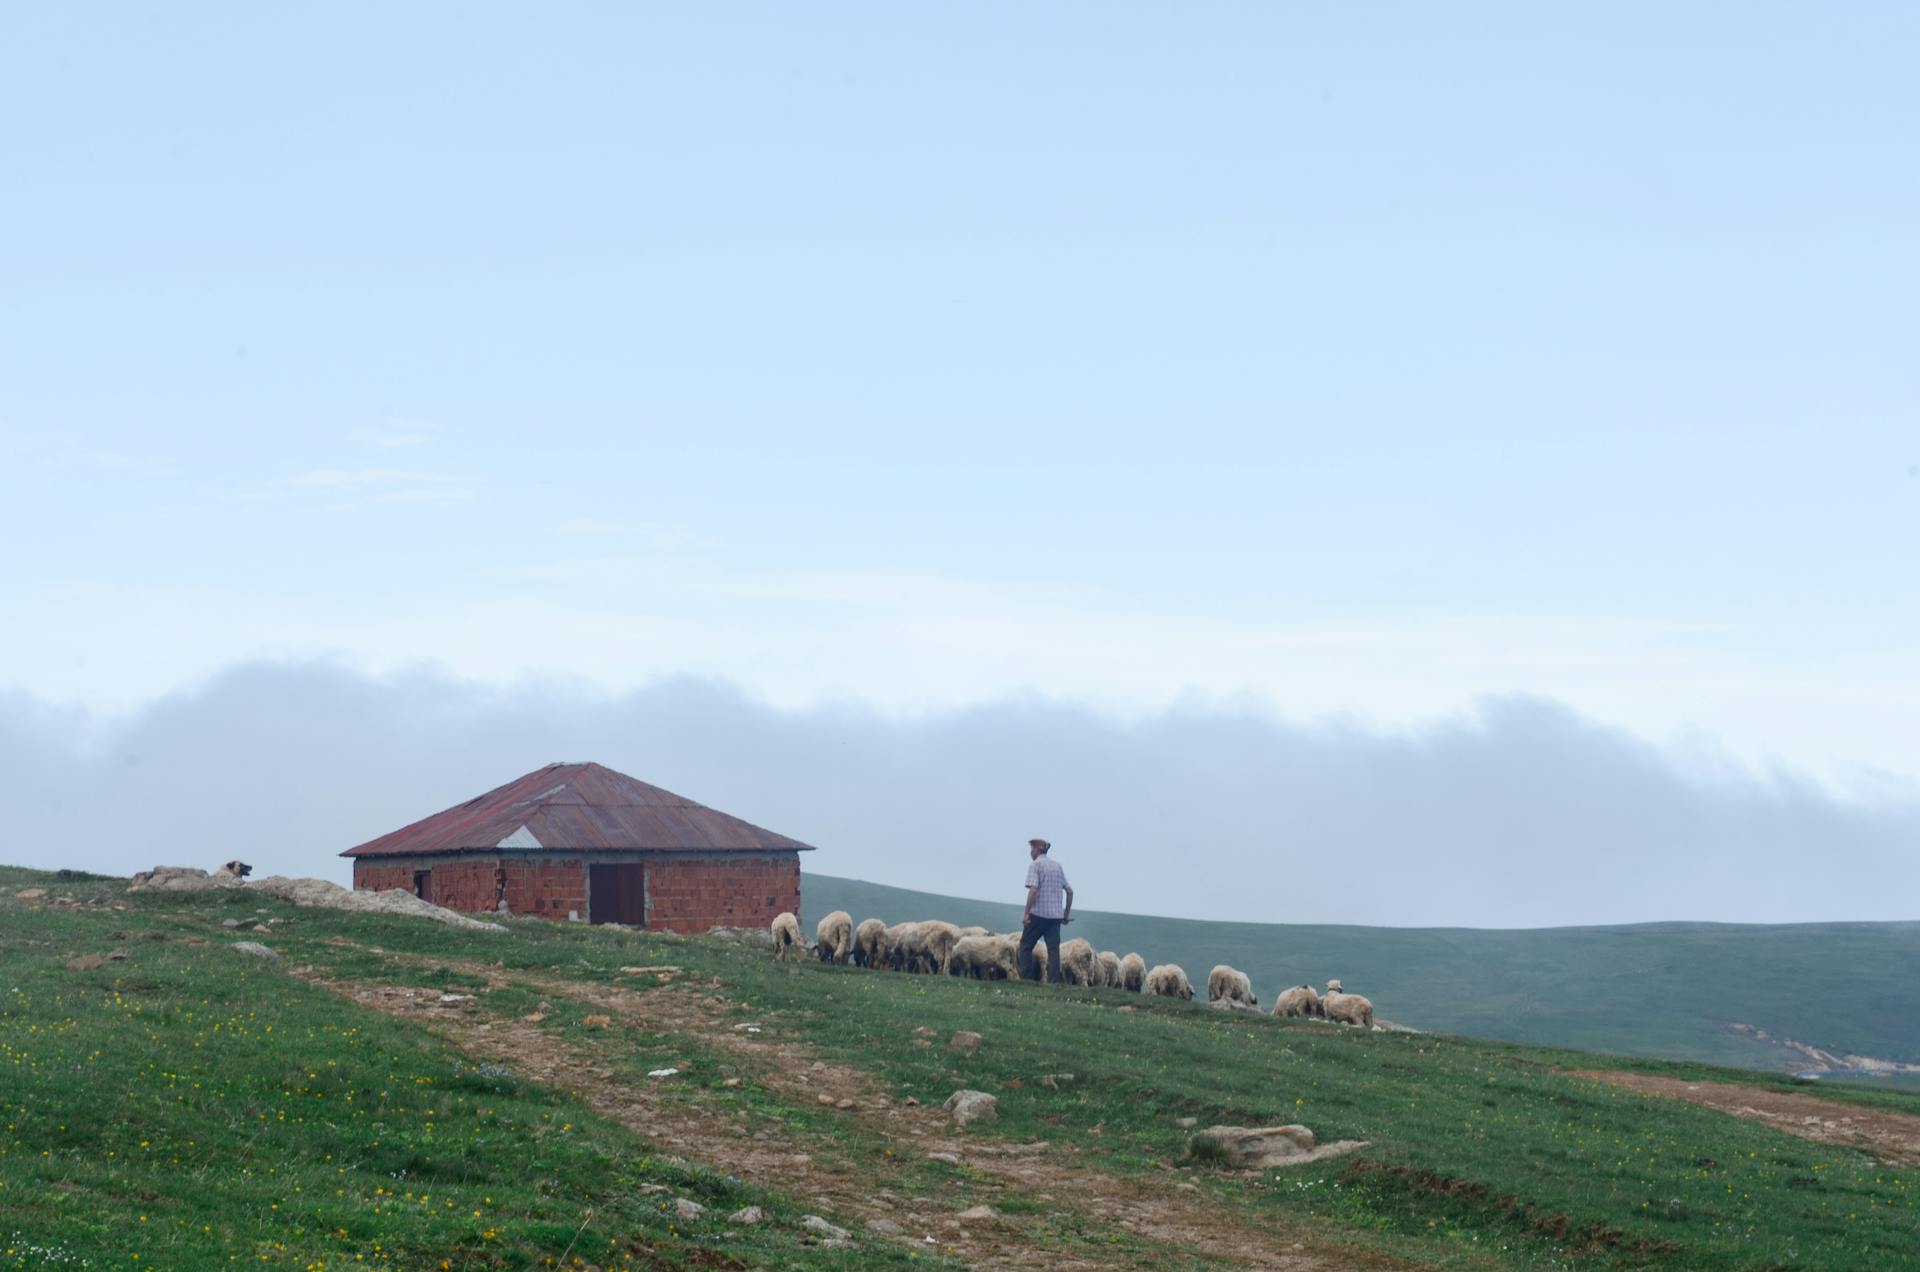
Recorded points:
(1892, 1137)
(1168, 1216)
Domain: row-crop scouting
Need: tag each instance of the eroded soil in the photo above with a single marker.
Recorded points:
(1892, 1137)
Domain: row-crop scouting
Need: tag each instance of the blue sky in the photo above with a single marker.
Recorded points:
(1322, 361)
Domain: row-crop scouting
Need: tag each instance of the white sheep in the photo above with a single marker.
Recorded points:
(1230, 985)
(1110, 969)
(1169, 980)
(1133, 972)
(867, 939)
(900, 946)
(1298, 1001)
(985, 958)
(785, 931)
(975, 931)
(833, 937)
(1347, 1009)
(1077, 962)
(937, 939)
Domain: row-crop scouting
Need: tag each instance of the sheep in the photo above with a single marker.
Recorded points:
(1298, 1001)
(1110, 968)
(937, 940)
(1347, 1009)
(975, 931)
(1133, 972)
(1077, 962)
(785, 931)
(1230, 985)
(866, 942)
(901, 946)
(1168, 980)
(985, 958)
(833, 937)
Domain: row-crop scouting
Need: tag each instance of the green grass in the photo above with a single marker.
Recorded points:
(1666, 990)
(1482, 1155)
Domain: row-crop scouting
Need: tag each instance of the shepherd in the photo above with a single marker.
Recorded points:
(1049, 907)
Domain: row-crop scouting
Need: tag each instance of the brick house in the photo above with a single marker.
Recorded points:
(580, 841)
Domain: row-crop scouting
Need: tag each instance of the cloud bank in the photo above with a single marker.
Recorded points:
(1518, 814)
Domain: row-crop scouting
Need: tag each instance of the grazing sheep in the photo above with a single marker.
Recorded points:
(901, 948)
(1133, 972)
(1334, 987)
(1230, 985)
(937, 940)
(1347, 1009)
(1077, 962)
(833, 938)
(1110, 968)
(1169, 980)
(866, 942)
(1298, 1001)
(785, 930)
(975, 931)
(985, 958)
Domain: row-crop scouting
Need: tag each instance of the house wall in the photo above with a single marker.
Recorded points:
(685, 892)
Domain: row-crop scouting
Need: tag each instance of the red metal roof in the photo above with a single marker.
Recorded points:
(575, 808)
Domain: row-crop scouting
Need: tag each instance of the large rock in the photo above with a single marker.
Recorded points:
(972, 1106)
(331, 896)
(965, 1040)
(254, 949)
(821, 1228)
(182, 879)
(1261, 1147)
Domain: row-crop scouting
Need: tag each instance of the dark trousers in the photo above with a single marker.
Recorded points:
(1039, 929)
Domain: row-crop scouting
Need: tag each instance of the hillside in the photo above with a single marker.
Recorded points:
(1670, 990)
(377, 1090)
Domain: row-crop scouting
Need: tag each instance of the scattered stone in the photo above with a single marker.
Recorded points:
(231, 923)
(1055, 1079)
(662, 969)
(825, 1099)
(196, 940)
(456, 998)
(730, 1083)
(1257, 1148)
(261, 927)
(951, 1159)
(911, 1102)
(597, 1022)
(801, 1159)
(662, 1073)
(844, 1104)
(885, 1227)
(30, 894)
(920, 1032)
(183, 879)
(820, 1227)
(978, 1212)
(922, 1042)
(1125, 1011)
(965, 1040)
(116, 956)
(747, 1214)
(972, 1106)
(1186, 1121)
(253, 949)
(1187, 1186)
(688, 1210)
(331, 896)
(534, 1018)
(85, 963)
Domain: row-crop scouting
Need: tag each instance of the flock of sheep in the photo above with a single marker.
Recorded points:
(939, 948)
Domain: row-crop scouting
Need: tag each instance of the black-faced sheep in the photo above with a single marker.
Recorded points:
(1110, 969)
(1347, 1009)
(1133, 972)
(1077, 962)
(1169, 980)
(985, 958)
(866, 942)
(1298, 1001)
(1230, 985)
(785, 931)
(833, 937)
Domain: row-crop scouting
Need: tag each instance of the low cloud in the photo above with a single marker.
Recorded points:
(1520, 813)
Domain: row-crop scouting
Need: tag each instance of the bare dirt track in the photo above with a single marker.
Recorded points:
(1892, 1137)
(1172, 1226)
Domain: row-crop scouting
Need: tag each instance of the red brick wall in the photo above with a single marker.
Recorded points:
(684, 894)
(692, 894)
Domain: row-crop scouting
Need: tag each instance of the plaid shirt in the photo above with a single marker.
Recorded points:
(1050, 902)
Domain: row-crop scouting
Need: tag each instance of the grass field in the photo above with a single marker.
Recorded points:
(189, 1107)
(1663, 989)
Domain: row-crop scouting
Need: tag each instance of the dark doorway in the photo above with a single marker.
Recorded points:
(617, 894)
(423, 884)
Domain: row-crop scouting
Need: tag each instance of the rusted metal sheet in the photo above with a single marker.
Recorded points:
(574, 808)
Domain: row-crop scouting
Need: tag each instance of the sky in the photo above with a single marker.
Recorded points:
(1335, 372)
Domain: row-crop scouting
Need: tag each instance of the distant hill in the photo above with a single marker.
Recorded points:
(1734, 994)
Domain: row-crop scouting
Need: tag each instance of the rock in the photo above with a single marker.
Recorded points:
(911, 1102)
(1125, 1011)
(920, 1032)
(1186, 1121)
(687, 1210)
(181, 879)
(885, 1227)
(30, 894)
(261, 927)
(597, 1022)
(1185, 1186)
(116, 956)
(85, 963)
(730, 1083)
(747, 1214)
(979, 1212)
(331, 896)
(230, 923)
(821, 1228)
(972, 1106)
(1055, 1079)
(965, 1040)
(843, 1104)
(534, 1018)
(1257, 1148)
(951, 1159)
(654, 1188)
(253, 949)
(825, 1099)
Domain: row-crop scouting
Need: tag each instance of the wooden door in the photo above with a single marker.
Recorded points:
(617, 893)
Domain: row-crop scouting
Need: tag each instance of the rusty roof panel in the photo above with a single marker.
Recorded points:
(579, 807)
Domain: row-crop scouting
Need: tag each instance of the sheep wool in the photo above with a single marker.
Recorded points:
(785, 931)
(1229, 984)
(1169, 980)
(1133, 972)
(866, 942)
(833, 937)
(1347, 1009)
(1110, 969)
(1077, 962)
(1298, 1001)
